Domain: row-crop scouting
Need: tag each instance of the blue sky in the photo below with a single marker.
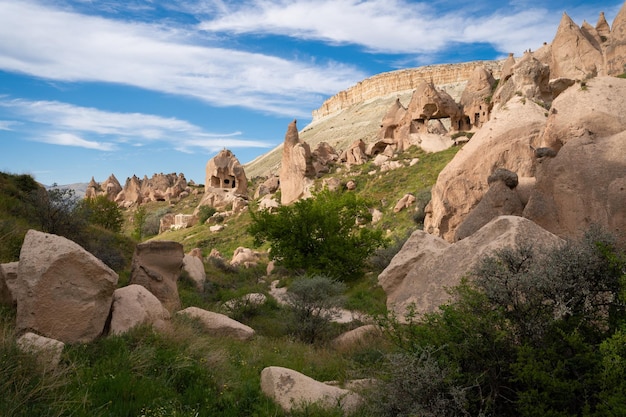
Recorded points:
(99, 87)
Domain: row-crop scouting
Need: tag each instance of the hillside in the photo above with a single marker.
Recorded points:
(356, 113)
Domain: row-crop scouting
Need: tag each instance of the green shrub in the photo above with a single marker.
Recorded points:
(204, 212)
(314, 301)
(319, 235)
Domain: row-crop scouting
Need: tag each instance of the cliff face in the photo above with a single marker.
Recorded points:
(402, 80)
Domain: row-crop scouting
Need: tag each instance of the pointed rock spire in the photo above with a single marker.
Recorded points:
(602, 27)
(573, 55)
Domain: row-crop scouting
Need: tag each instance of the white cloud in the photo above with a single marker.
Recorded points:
(60, 45)
(8, 124)
(396, 26)
(70, 139)
(106, 131)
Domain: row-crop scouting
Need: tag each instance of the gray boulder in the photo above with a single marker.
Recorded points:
(134, 305)
(427, 265)
(62, 291)
(293, 390)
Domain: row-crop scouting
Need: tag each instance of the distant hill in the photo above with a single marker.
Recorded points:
(79, 188)
(356, 113)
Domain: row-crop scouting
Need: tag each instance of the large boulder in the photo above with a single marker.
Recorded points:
(427, 266)
(218, 324)
(505, 141)
(47, 350)
(62, 291)
(245, 257)
(157, 265)
(293, 390)
(134, 305)
(194, 266)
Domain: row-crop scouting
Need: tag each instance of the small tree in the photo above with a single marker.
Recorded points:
(139, 220)
(103, 212)
(320, 234)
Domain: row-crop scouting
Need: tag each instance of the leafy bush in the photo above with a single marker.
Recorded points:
(102, 212)
(204, 212)
(319, 235)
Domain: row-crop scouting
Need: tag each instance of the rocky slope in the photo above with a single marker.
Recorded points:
(357, 112)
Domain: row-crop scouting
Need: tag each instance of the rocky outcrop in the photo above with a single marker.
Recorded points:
(402, 80)
(224, 172)
(530, 79)
(573, 54)
(501, 199)
(503, 142)
(62, 291)
(427, 265)
(615, 52)
(220, 325)
(359, 337)
(134, 305)
(296, 171)
(161, 187)
(475, 100)
(593, 111)
(355, 154)
(293, 390)
(156, 266)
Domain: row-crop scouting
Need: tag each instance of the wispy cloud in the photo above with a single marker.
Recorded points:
(69, 125)
(396, 26)
(7, 124)
(54, 44)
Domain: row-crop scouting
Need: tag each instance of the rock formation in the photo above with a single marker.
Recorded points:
(426, 265)
(573, 54)
(157, 265)
(475, 100)
(615, 52)
(194, 266)
(134, 305)
(224, 172)
(226, 183)
(218, 324)
(47, 350)
(293, 390)
(62, 291)
(503, 142)
(296, 171)
(161, 187)
(402, 80)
